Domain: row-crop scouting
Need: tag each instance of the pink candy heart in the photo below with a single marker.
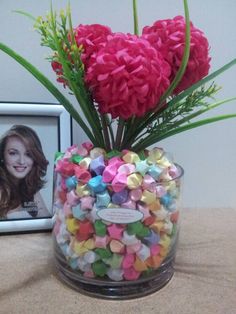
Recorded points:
(119, 182)
(128, 261)
(127, 169)
(109, 173)
(136, 194)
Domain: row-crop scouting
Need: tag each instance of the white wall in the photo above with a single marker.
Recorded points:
(207, 154)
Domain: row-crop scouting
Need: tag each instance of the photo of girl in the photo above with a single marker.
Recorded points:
(23, 167)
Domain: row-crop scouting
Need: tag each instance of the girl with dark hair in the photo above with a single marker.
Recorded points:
(23, 167)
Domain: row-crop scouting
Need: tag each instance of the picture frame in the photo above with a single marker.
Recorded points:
(53, 126)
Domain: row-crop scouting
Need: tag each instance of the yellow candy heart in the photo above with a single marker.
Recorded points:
(82, 190)
(165, 241)
(131, 157)
(171, 187)
(164, 162)
(72, 225)
(154, 155)
(96, 152)
(85, 162)
(89, 244)
(155, 205)
(79, 248)
(157, 226)
(163, 252)
(148, 197)
(134, 181)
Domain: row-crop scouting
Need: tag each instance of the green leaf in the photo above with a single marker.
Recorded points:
(50, 87)
(197, 124)
(201, 111)
(182, 95)
(186, 111)
(201, 82)
(154, 138)
(26, 14)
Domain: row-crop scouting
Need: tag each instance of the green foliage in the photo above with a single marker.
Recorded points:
(173, 114)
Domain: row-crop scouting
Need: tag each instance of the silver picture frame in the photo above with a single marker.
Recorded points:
(52, 123)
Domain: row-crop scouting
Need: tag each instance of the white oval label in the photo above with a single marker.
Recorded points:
(120, 215)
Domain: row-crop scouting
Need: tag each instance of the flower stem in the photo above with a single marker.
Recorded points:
(119, 133)
(135, 15)
(109, 124)
(105, 133)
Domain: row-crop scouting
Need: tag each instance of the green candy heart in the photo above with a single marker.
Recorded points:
(76, 159)
(103, 253)
(113, 153)
(144, 232)
(100, 228)
(57, 156)
(99, 268)
(134, 228)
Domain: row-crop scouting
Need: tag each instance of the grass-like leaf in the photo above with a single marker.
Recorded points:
(25, 14)
(50, 87)
(177, 99)
(154, 138)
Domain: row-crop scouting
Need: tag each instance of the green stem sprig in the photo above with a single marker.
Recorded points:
(78, 89)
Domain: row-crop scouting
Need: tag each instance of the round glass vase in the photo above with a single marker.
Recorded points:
(116, 240)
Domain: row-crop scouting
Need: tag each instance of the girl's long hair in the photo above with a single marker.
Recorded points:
(12, 194)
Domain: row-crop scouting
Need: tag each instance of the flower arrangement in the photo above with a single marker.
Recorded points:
(116, 202)
(134, 90)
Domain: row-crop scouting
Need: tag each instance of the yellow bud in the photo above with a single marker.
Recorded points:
(62, 13)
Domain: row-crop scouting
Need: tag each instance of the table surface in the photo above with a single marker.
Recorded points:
(204, 280)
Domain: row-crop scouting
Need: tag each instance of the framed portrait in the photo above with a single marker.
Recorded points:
(30, 136)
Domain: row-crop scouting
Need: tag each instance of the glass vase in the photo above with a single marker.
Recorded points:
(116, 221)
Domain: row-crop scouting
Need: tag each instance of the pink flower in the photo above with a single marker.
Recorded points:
(127, 76)
(168, 37)
(92, 38)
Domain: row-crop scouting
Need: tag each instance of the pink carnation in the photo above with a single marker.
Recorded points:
(168, 37)
(127, 76)
(92, 38)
